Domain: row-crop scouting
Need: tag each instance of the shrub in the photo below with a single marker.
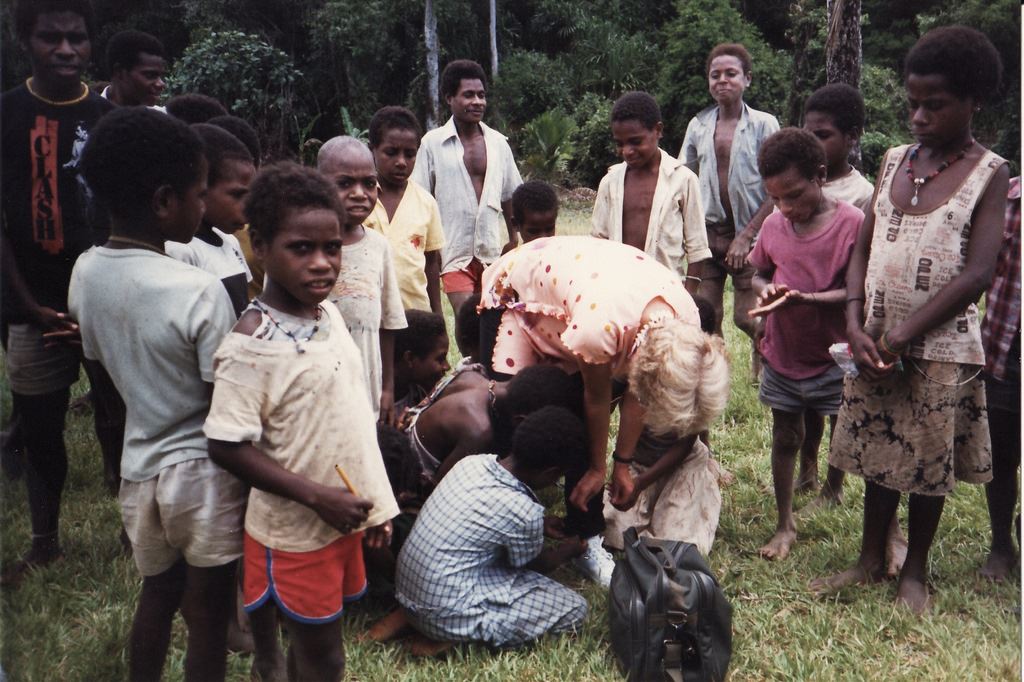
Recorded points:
(529, 83)
(252, 79)
(592, 145)
(547, 145)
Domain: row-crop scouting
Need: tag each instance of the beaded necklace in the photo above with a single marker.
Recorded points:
(920, 182)
(53, 102)
(298, 344)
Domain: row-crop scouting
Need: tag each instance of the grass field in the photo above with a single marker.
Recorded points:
(71, 622)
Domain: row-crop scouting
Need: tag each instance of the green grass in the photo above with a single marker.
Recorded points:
(71, 622)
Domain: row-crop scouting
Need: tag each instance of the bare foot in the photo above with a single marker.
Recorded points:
(999, 566)
(391, 626)
(726, 478)
(857, 575)
(825, 499)
(778, 546)
(895, 552)
(262, 671)
(421, 645)
(806, 483)
(913, 594)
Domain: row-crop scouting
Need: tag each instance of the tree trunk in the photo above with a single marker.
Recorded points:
(843, 48)
(494, 39)
(430, 40)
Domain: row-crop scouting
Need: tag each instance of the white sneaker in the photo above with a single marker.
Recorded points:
(596, 564)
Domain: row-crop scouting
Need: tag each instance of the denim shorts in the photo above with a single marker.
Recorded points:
(820, 393)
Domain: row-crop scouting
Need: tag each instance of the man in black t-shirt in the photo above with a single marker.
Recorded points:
(47, 224)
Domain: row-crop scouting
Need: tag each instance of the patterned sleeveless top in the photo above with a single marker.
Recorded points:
(914, 255)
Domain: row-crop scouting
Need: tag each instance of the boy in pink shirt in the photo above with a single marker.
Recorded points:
(801, 259)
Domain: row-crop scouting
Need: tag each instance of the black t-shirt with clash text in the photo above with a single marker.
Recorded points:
(48, 213)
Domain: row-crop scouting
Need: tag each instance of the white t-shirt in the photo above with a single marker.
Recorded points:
(369, 299)
(154, 324)
(301, 410)
(220, 256)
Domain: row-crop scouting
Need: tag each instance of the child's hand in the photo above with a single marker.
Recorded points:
(341, 509)
(773, 297)
(378, 537)
(590, 484)
(866, 354)
(387, 408)
(624, 489)
(67, 333)
(570, 549)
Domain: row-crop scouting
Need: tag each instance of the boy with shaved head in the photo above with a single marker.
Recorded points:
(367, 292)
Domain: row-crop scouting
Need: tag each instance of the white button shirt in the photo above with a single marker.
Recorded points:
(472, 229)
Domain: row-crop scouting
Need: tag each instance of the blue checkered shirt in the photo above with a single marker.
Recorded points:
(460, 573)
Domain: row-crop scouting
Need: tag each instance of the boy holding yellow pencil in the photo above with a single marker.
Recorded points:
(289, 416)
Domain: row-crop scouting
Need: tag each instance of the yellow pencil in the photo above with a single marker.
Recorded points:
(344, 478)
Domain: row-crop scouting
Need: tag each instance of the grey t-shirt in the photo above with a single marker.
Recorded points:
(154, 324)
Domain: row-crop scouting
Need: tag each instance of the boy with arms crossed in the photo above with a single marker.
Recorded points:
(154, 324)
(469, 169)
(721, 146)
(651, 201)
(44, 125)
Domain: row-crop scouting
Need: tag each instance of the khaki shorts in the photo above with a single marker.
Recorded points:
(193, 509)
(35, 370)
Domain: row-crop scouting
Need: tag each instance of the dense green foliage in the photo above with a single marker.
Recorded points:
(252, 79)
(574, 57)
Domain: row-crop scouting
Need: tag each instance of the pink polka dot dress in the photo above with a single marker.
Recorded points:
(568, 299)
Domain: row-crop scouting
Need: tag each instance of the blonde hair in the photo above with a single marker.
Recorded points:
(681, 377)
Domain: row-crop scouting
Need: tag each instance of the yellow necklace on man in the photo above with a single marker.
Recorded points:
(64, 103)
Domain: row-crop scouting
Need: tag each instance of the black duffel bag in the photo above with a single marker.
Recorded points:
(670, 620)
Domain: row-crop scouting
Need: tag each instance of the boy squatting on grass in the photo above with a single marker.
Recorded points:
(651, 200)
(154, 323)
(800, 258)
(367, 292)
(406, 213)
(471, 567)
(215, 248)
(287, 408)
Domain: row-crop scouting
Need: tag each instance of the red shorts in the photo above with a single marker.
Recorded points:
(466, 280)
(310, 587)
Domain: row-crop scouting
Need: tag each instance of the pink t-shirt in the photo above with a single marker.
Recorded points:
(797, 336)
(568, 299)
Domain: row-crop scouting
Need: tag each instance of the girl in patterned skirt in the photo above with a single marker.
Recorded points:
(914, 419)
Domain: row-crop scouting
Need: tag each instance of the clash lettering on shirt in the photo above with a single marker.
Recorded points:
(47, 223)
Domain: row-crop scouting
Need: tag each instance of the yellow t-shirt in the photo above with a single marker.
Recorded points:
(415, 229)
